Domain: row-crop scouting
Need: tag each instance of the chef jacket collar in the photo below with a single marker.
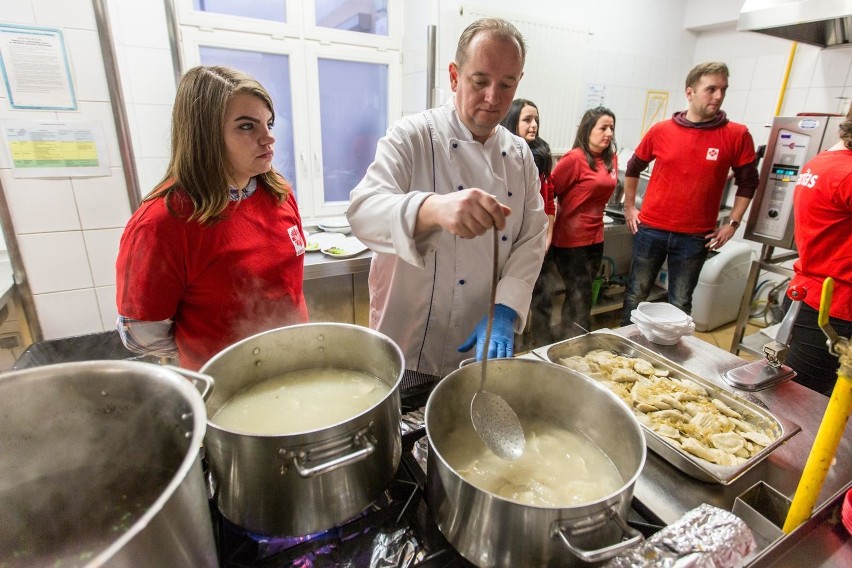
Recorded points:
(459, 130)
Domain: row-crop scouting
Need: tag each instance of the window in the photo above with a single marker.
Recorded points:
(274, 10)
(273, 72)
(351, 124)
(365, 16)
(335, 89)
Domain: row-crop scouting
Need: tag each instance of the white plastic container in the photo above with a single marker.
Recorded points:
(721, 285)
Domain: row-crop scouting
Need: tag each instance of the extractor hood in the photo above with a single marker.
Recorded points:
(824, 23)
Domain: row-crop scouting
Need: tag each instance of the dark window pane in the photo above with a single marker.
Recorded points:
(367, 16)
(274, 10)
(353, 116)
(272, 70)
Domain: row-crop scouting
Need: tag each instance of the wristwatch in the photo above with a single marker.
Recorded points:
(733, 223)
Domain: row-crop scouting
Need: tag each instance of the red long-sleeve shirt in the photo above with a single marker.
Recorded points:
(582, 194)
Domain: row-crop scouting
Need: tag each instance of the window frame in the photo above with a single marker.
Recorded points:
(304, 45)
(313, 53)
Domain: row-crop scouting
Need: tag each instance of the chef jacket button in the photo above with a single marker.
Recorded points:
(510, 194)
(461, 282)
(505, 237)
(461, 188)
(504, 153)
(455, 145)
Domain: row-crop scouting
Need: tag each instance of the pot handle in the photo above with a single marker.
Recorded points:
(359, 440)
(196, 378)
(566, 531)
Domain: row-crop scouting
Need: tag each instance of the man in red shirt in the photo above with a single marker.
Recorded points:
(822, 204)
(692, 154)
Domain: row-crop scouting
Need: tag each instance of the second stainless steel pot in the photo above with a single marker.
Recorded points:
(296, 484)
(491, 531)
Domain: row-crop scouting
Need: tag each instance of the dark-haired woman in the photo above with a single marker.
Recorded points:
(215, 253)
(523, 120)
(583, 181)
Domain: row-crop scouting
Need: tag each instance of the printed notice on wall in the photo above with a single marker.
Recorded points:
(35, 68)
(595, 95)
(55, 149)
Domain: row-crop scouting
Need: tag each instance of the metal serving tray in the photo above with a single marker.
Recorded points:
(682, 460)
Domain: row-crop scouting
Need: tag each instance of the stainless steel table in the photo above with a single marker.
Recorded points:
(666, 493)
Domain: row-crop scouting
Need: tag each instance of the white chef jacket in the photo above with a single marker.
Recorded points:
(428, 293)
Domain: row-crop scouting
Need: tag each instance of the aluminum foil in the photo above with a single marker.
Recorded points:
(397, 549)
(420, 451)
(705, 537)
(411, 421)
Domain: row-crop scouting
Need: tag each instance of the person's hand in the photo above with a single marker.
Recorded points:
(719, 237)
(466, 214)
(502, 342)
(631, 216)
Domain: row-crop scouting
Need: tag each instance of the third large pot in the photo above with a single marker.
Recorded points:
(489, 530)
(296, 484)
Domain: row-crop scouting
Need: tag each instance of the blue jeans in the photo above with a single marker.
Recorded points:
(651, 247)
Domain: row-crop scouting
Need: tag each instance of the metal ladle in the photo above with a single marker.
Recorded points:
(493, 419)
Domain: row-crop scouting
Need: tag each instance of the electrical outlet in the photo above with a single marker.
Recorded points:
(10, 340)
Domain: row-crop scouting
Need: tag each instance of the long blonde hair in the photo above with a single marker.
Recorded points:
(199, 166)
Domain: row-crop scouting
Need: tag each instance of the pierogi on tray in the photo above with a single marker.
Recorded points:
(682, 412)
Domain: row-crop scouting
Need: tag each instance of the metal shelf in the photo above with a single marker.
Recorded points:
(769, 263)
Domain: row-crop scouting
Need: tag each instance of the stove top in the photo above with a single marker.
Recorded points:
(395, 531)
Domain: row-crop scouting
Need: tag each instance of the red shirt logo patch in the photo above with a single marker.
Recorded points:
(296, 238)
(712, 154)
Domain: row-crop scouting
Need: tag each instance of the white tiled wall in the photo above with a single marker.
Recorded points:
(56, 262)
(63, 314)
(67, 229)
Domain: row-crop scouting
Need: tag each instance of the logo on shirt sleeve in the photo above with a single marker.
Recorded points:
(296, 238)
(712, 154)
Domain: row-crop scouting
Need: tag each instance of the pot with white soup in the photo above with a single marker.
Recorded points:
(303, 429)
(565, 501)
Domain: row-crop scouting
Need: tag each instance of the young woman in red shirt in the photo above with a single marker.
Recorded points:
(215, 253)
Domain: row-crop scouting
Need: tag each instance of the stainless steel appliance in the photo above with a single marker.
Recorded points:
(816, 22)
(793, 140)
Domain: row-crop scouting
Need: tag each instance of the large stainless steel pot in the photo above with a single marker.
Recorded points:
(491, 531)
(296, 484)
(99, 465)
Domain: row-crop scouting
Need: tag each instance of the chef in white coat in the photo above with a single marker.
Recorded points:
(441, 180)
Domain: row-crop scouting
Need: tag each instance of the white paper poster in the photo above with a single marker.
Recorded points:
(35, 68)
(55, 149)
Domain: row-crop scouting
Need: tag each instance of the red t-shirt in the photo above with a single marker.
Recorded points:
(691, 168)
(822, 205)
(547, 194)
(220, 283)
(582, 194)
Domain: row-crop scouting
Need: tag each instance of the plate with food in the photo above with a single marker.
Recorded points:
(315, 242)
(345, 248)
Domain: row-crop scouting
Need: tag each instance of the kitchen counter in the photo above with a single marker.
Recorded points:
(319, 265)
(664, 494)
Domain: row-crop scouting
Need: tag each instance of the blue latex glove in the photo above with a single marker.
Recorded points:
(502, 334)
